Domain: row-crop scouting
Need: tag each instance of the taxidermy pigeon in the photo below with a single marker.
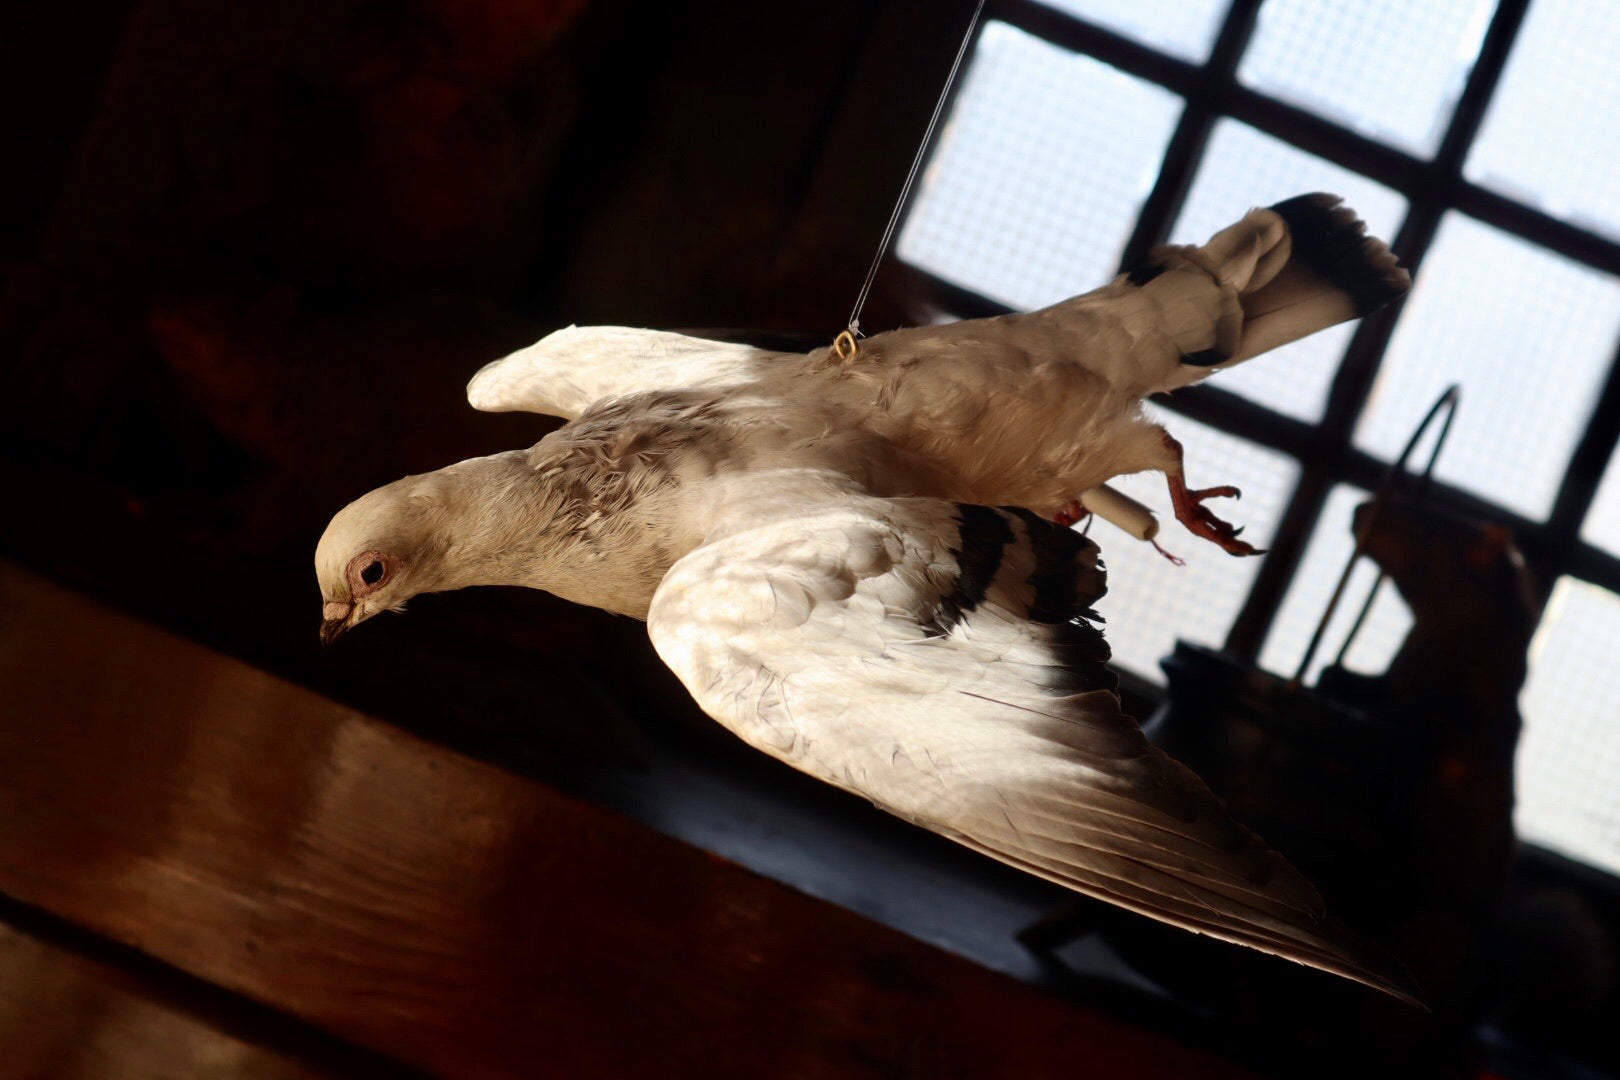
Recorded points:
(849, 561)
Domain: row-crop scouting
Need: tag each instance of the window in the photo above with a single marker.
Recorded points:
(1479, 137)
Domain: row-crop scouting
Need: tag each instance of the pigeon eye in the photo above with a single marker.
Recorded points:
(370, 571)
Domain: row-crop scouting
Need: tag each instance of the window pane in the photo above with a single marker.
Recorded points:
(1569, 755)
(1529, 335)
(1602, 525)
(1386, 626)
(1040, 174)
(1389, 70)
(1184, 28)
(1243, 168)
(1552, 134)
(1152, 602)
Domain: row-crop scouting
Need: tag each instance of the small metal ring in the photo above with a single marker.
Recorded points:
(845, 347)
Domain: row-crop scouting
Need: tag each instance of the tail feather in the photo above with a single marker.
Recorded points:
(1335, 272)
(1279, 274)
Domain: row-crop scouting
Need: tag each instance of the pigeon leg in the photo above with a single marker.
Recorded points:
(1198, 518)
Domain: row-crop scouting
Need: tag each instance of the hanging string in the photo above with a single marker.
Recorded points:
(845, 345)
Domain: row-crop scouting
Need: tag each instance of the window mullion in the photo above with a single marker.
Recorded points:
(1428, 202)
(1581, 478)
(1186, 149)
(1430, 193)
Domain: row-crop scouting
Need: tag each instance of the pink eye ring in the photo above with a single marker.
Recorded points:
(370, 571)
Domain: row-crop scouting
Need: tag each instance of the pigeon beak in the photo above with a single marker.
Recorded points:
(334, 620)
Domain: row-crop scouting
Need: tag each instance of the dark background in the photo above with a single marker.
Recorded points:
(251, 257)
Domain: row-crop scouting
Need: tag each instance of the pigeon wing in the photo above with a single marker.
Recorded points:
(937, 659)
(567, 371)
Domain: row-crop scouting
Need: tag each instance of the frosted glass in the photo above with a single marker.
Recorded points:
(1529, 335)
(1569, 754)
(1243, 168)
(1551, 136)
(1151, 602)
(1386, 626)
(1183, 28)
(1602, 524)
(1040, 174)
(1390, 69)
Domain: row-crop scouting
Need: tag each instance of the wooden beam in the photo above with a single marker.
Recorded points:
(62, 1015)
(446, 913)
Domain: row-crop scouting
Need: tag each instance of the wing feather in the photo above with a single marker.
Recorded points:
(882, 646)
(567, 371)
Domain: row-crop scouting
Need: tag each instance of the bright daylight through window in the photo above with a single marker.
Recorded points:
(1480, 138)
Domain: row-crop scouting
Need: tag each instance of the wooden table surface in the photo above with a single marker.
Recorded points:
(406, 907)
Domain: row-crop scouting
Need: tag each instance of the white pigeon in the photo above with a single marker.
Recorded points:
(849, 563)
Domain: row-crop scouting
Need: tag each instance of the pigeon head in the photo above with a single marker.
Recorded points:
(379, 551)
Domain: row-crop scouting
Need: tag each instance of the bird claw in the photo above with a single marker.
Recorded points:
(1197, 518)
(1201, 521)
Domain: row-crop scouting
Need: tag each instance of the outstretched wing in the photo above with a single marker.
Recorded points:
(937, 659)
(567, 371)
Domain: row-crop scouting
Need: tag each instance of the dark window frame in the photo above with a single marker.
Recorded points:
(1324, 450)
(1432, 187)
